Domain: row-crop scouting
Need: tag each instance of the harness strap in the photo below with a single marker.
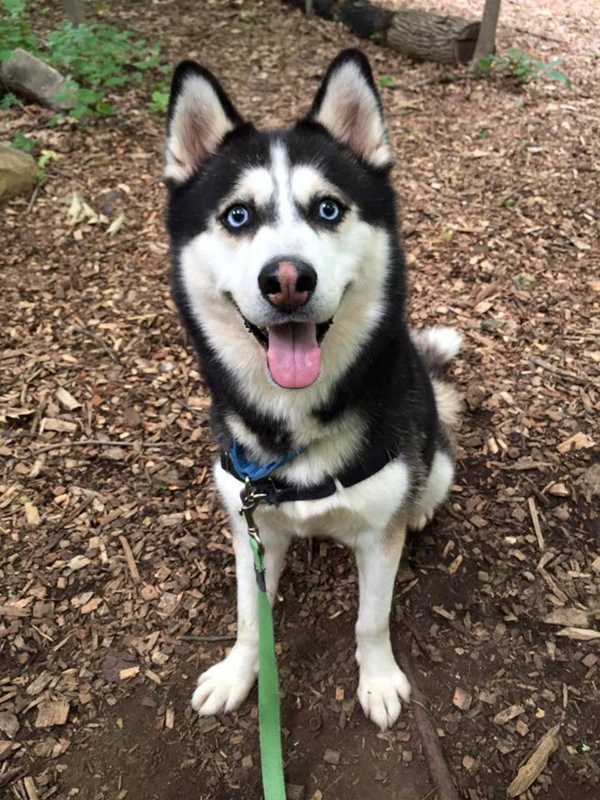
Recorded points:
(278, 490)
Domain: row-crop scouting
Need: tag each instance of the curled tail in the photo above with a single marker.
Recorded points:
(437, 346)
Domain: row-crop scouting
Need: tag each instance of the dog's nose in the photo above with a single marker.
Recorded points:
(287, 283)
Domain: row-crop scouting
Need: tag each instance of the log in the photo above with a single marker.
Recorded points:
(417, 34)
(429, 37)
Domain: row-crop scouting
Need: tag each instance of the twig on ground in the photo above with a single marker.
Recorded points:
(133, 568)
(91, 335)
(98, 443)
(536, 523)
(11, 775)
(539, 35)
(563, 373)
(207, 639)
(34, 195)
(435, 758)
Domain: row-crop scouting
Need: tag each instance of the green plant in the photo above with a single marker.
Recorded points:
(160, 101)
(524, 68)
(9, 100)
(44, 159)
(387, 81)
(25, 143)
(15, 30)
(101, 59)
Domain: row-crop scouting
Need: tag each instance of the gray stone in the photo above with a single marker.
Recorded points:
(32, 78)
(18, 172)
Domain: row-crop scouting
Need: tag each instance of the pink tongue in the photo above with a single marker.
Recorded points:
(293, 355)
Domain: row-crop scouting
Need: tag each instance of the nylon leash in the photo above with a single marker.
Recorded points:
(269, 713)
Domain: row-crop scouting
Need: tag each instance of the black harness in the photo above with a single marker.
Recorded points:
(277, 490)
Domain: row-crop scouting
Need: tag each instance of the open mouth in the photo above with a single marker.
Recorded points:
(293, 350)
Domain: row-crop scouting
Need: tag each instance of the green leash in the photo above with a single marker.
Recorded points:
(269, 716)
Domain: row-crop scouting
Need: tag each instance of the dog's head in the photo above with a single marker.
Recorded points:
(281, 239)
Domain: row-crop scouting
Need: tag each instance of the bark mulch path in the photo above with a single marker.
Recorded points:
(116, 571)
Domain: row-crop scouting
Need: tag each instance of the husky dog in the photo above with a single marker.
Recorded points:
(290, 280)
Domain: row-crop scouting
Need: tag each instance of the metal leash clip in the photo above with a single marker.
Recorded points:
(251, 498)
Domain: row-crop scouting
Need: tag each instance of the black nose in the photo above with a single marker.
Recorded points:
(287, 283)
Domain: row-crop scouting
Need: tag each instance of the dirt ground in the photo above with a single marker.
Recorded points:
(116, 571)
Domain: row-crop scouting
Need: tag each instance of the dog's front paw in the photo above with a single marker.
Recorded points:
(418, 520)
(225, 686)
(379, 693)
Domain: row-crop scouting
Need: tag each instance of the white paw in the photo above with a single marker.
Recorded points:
(225, 686)
(380, 691)
(419, 521)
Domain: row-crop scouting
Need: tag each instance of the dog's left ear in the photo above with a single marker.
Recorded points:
(200, 117)
(349, 107)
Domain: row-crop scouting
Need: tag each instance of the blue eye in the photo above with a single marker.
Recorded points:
(237, 217)
(330, 210)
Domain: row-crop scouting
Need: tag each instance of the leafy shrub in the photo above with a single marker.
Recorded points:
(160, 100)
(15, 30)
(99, 58)
(524, 68)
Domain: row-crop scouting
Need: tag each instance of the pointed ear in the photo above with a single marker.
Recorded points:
(349, 107)
(200, 116)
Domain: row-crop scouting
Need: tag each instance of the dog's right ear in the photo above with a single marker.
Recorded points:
(200, 116)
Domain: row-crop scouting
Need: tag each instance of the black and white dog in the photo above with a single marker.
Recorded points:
(290, 279)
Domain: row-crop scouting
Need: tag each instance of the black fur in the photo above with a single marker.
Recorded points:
(388, 384)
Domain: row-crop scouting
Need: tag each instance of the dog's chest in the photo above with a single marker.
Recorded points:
(368, 505)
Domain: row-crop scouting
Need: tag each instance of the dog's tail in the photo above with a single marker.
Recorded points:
(437, 347)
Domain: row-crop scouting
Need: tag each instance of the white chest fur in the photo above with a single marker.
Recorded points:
(367, 506)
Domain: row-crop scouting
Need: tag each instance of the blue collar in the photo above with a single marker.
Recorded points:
(251, 469)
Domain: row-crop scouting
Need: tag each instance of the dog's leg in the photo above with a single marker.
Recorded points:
(434, 493)
(225, 686)
(382, 683)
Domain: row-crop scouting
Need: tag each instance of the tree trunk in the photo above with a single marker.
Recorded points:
(486, 43)
(428, 37)
(414, 33)
(74, 11)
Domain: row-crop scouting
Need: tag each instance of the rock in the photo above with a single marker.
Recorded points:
(18, 172)
(33, 78)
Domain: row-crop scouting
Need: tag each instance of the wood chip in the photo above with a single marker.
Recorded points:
(128, 672)
(504, 716)
(536, 523)
(170, 718)
(6, 749)
(30, 788)
(535, 764)
(579, 441)
(462, 699)
(9, 724)
(331, 757)
(572, 617)
(32, 515)
(580, 634)
(133, 570)
(51, 713)
(67, 400)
